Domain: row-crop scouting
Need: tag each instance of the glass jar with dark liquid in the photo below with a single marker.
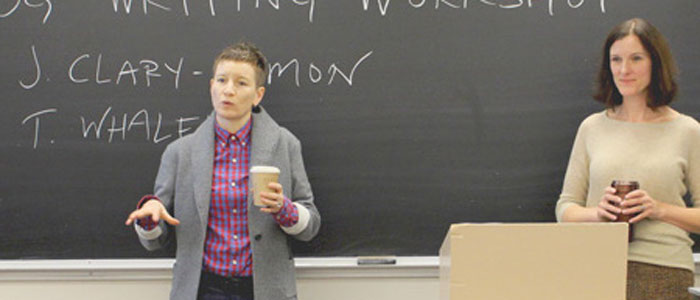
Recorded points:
(622, 188)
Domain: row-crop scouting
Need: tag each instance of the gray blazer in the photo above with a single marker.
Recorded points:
(184, 185)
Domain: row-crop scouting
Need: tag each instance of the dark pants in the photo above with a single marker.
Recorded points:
(216, 287)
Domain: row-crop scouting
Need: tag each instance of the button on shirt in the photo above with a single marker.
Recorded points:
(227, 246)
(227, 249)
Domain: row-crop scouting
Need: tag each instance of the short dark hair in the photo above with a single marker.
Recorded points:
(245, 52)
(662, 86)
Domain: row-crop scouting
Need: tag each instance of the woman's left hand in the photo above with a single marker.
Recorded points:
(640, 205)
(273, 201)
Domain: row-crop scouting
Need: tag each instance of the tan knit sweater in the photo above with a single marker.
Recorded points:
(665, 159)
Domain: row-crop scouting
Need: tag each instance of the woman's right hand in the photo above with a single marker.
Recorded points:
(608, 207)
(153, 209)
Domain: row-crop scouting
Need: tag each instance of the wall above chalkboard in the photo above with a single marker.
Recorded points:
(413, 114)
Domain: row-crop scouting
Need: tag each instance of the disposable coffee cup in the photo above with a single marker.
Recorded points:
(260, 177)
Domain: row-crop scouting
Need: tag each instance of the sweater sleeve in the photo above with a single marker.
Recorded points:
(575, 187)
(693, 170)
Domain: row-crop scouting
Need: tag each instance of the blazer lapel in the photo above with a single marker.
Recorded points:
(203, 167)
(263, 139)
(263, 142)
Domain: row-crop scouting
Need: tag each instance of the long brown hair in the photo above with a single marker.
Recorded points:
(662, 88)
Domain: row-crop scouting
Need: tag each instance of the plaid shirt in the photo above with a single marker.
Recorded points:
(227, 249)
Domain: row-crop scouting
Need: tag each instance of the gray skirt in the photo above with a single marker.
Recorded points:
(652, 282)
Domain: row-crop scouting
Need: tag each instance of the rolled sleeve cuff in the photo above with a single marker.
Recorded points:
(145, 227)
(287, 215)
(148, 234)
(301, 224)
(146, 223)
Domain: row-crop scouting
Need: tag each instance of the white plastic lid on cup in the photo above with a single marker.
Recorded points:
(264, 169)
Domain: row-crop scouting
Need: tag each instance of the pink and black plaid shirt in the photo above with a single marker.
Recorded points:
(227, 246)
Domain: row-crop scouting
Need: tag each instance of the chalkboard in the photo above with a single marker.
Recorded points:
(413, 114)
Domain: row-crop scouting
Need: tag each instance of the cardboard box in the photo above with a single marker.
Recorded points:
(538, 261)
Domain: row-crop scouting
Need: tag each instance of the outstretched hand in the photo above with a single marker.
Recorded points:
(153, 209)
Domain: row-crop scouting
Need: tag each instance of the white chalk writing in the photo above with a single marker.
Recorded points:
(38, 72)
(126, 72)
(215, 6)
(36, 116)
(315, 74)
(121, 125)
(146, 3)
(384, 5)
(49, 8)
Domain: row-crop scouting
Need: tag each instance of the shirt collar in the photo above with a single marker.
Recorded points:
(242, 134)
